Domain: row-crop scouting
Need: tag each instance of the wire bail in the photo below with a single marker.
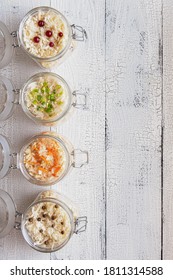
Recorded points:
(80, 101)
(17, 221)
(74, 154)
(81, 224)
(15, 36)
(14, 161)
(78, 33)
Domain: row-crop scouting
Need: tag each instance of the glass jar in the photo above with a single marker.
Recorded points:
(11, 97)
(44, 160)
(9, 41)
(46, 225)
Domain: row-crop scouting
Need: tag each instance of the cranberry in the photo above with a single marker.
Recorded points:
(48, 33)
(36, 39)
(41, 23)
(60, 34)
(51, 44)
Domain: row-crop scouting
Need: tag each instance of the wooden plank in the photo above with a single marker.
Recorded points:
(168, 130)
(133, 79)
(84, 70)
(18, 128)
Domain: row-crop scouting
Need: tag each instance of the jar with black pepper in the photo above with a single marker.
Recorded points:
(46, 225)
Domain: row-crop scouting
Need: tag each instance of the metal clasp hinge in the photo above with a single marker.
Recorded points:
(16, 95)
(17, 221)
(78, 33)
(81, 222)
(77, 164)
(14, 161)
(80, 101)
(15, 36)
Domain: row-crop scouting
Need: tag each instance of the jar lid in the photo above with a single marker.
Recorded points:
(7, 213)
(5, 156)
(7, 100)
(6, 46)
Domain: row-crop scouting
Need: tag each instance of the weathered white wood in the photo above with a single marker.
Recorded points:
(84, 70)
(18, 128)
(133, 80)
(131, 200)
(167, 130)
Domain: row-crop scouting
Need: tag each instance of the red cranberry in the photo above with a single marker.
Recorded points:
(60, 34)
(51, 44)
(48, 33)
(41, 23)
(36, 39)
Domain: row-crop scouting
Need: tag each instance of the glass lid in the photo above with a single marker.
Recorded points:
(7, 213)
(5, 156)
(6, 46)
(7, 98)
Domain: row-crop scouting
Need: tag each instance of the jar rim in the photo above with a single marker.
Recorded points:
(61, 204)
(51, 58)
(31, 178)
(62, 114)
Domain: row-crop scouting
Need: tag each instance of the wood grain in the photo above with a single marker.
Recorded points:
(127, 185)
(133, 90)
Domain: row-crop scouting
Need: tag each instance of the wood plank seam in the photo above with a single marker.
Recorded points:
(105, 253)
(162, 128)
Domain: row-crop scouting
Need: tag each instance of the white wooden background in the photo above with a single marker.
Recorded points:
(126, 67)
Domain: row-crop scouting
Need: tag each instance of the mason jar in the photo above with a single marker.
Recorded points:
(44, 160)
(47, 224)
(44, 34)
(37, 94)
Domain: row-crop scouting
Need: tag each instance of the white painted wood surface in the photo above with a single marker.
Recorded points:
(126, 190)
(133, 157)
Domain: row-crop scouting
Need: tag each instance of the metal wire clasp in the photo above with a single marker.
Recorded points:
(76, 163)
(81, 224)
(17, 221)
(80, 101)
(16, 96)
(78, 33)
(14, 161)
(14, 34)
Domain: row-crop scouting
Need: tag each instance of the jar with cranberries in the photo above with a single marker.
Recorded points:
(44, 34)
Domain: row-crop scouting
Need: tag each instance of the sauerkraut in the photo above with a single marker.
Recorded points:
(48, 225)
(44, 159)
(46, 98)
(36, 38)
